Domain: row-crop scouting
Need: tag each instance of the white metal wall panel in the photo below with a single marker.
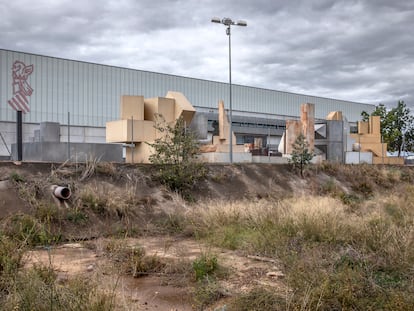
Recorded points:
(90, 93)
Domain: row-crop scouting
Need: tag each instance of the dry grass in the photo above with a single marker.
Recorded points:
(334, 258)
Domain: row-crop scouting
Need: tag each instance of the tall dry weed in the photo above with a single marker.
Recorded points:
(333, 257)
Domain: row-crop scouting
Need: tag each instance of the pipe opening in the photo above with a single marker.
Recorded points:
(63, 193)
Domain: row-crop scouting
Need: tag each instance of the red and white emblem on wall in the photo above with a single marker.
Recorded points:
(21, 88)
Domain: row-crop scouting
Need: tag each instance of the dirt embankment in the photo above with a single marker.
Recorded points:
(21, 184)
(226, 182)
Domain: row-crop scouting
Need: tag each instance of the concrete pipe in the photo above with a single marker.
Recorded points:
(63, 193)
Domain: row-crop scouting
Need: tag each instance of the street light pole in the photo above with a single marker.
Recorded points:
(228, 32)
(228, 22)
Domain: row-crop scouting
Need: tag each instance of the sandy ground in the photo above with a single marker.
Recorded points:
(152, 292)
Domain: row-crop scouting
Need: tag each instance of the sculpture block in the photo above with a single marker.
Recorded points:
(183, 107)
(132, 107)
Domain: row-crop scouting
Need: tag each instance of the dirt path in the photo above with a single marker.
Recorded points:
(153, 292)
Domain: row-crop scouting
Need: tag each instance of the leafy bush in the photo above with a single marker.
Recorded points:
(204, 266)
(175, 156)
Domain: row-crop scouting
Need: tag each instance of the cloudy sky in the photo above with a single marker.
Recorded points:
(354, 50)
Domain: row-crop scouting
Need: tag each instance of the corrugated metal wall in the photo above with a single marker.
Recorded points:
(90, 93)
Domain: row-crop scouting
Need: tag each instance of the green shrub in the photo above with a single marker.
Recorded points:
(204, 266)
(16, 177)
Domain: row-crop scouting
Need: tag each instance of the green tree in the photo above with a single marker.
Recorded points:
(301, 156)
(397, 128)
(175, 155)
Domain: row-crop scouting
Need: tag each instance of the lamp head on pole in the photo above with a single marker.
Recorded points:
(228, 21)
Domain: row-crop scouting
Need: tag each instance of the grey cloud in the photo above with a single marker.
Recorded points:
(351, 49)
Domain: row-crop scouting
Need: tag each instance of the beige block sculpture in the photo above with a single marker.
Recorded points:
(307, 117)
(388, 160)
(224, 126)
(132, 107)
(139, 154)
(221, 142)
(127, 131)
(363, 127)
(375, 125)
(366, 138)
(293, 130)
(183, 107)
(159, 105)
(334, 115)
(377, 149)
(369, 139)
(136, 126)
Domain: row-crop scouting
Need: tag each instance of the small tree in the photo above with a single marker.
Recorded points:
(301, 156)
(175, 155)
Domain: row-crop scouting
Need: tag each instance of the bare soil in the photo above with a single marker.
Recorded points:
(154, 292)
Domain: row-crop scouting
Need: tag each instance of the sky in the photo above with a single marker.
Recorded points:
(360, 51)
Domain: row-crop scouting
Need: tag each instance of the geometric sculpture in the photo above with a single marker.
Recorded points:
(304, 126)
(136, 127)
(369, 140)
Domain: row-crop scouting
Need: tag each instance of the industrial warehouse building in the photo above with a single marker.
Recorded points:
(83, 96)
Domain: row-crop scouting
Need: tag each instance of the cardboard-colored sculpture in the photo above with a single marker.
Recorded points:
(307, 117)
(335, 116)
(138, 116)
(221, 143)
(369, 139)
(305, 126)
(183, 107)
(293, 130)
